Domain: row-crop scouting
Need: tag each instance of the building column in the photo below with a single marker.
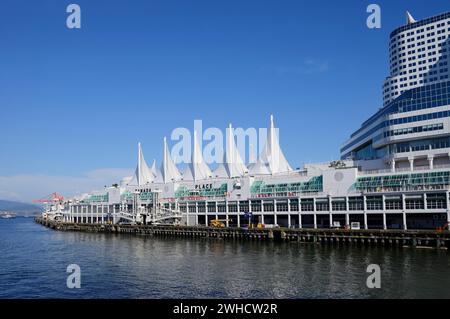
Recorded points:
(227, 211)
(347, 220)
(330, 209)
(384, 221)
(365, 212)
(300, 220)
(411, 163)
(393, 165)
(404, 212)
(366, 226)
(405, 227)
(447, 194)
(289, 219)
(262, 219)
(430, 161)
(315, 220)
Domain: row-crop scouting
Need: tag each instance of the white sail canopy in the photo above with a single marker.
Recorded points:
(143, 175)
(271, 159)
(409, 18)
(168, 171)
(197, 169)
(153, 169)
(233, 165)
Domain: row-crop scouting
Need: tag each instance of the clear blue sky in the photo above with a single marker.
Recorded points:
(72, 101)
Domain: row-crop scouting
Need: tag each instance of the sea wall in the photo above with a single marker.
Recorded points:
(372, 237)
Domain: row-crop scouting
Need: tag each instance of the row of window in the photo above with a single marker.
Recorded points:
(433, 201)
(416, 129)
(397, 121)
(423, 145)
(395, 35)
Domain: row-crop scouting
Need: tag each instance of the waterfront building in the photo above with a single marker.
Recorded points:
(394, 171)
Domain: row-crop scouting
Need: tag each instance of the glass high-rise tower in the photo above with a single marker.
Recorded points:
(413, 128)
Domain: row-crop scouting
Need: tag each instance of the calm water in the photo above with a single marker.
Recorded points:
(33, 262)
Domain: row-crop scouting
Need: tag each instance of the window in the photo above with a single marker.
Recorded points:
(307, 205)
(211, 207)
(436, 201)
(243, 207)
(322, 205)
(294, 205)
(339, 205)
(414, 203)
(355, 203)
(282, 207)
(374, 202)
(393, 204)
(256, 206)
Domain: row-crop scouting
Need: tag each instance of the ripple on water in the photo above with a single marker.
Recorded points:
(34, 261)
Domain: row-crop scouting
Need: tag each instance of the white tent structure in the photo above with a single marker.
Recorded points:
(168, 171)
(271, 160)
(153, 169)
(409, 18)
(197, 169)
(143, 175)
(232, 165)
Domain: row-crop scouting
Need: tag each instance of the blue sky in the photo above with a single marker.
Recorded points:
(75, 102)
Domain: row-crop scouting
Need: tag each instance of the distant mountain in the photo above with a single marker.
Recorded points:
(23, 209)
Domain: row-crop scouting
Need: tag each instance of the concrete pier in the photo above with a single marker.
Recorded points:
(371, 237)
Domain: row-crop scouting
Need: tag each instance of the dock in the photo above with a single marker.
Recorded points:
(371, 237)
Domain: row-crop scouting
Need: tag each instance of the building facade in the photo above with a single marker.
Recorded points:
(394, 171)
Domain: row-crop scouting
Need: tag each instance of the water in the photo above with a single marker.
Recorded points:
(33, 262)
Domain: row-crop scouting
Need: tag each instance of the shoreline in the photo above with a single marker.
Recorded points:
(420, 239)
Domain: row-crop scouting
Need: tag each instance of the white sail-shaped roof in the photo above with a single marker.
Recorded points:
(143, 175)
(232, 165)
(153, 169)
(409, 18)
(271, 159)
(168, 171)
(197, 169)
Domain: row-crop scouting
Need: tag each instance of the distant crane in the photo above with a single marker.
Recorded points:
(52, 198)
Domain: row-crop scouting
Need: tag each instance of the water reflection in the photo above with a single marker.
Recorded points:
(34, 260)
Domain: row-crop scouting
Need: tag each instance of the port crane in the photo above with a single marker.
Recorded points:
(52, 198)
(53, 206)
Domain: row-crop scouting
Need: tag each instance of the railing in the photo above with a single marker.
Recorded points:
(403, 169)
